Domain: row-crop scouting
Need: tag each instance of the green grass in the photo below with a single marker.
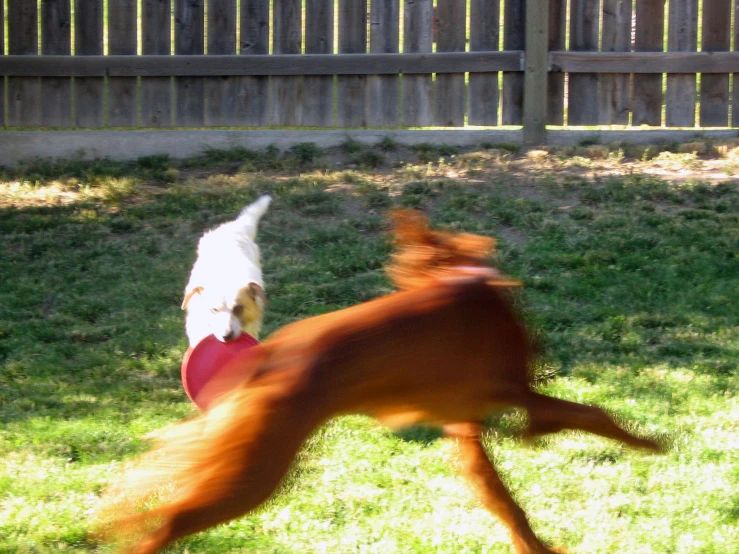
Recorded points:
(630, 290)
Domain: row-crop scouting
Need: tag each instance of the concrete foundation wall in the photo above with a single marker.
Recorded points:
(17, 146)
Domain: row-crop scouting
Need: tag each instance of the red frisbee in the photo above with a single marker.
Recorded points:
(208, 360)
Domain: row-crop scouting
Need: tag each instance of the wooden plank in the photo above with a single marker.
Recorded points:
(222, 94)
(156, 95)
(514, 38)
(255, 42)
(647, 89)
(535, 77)
(682, 36)
(318, 92)
(644, 62)
(583, 88)
(56, 38)
(189, 39)
(308, 64)
(556, 81)
(287, 92)
(351, 90)
(24, 93)
(449, 97)
(614, 99)
(417, 37)
(89, 92)
(383, 94)
(122, 105)
(484, 94)
(714, 89)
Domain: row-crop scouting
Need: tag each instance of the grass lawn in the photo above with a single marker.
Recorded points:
(629, 260)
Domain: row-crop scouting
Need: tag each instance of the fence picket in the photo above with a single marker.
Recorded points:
(189, 39)
(350, 89)
(646, 106)
(223, 95)
(384, 90)
(24, 93)
(122, 105)
(56, 38)
(514, 38)
(484, 36)
(417, 37)
(89, 92)
(614, 99)
(318, 91)
(714, 90)
(682, 36)
(255, 41)
(450, 88)
(287, 92)
(2, 77)
(340, 92)
(735, 76)
(556, 80)
(156, 95)
(583, 87)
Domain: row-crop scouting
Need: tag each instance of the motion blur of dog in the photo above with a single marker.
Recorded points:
(447, 350)
(225, 293)
(424, 257)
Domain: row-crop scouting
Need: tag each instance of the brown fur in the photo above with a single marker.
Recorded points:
(445, 352)
(424, 257)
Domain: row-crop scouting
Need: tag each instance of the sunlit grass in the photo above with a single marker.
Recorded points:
(630, 290)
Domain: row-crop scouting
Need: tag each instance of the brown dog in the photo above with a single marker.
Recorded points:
(447, 351)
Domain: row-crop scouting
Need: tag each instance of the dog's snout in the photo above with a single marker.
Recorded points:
(231, 335)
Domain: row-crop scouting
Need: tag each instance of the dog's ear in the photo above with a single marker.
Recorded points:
(256, 291)
(189, 294)
(474, 246)
(409, 226)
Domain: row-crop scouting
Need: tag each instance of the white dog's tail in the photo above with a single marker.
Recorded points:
(251, 215)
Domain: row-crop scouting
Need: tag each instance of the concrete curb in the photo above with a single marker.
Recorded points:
(18, 146)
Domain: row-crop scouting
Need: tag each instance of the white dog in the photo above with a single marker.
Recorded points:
(225, 294)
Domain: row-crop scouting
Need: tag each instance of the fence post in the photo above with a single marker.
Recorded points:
(535, 73)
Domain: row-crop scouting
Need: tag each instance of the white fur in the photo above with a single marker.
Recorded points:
(228, 261)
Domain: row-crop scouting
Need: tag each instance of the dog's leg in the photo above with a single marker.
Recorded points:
(549, 415)
(187, 520)
(479, 470)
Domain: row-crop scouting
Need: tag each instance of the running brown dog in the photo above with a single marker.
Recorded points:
(447, 350)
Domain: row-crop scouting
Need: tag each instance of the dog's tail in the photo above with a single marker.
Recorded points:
(250, 216)
(206, 470)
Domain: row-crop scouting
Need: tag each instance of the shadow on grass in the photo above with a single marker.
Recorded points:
(420, 434)
(90, 325)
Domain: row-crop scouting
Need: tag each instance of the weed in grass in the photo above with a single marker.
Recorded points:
(650, 152)
(511, 147)
(368, 159)
(408, 171)
(314, 202)
(306, 153)
(352, 146)
(429, 153)
(214, 158)
(387, 144)
(426, 153)
(417, 193)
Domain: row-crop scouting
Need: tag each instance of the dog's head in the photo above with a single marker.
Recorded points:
(424, 256)
(225, 316)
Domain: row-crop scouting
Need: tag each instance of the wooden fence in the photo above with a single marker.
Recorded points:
(361, 63)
